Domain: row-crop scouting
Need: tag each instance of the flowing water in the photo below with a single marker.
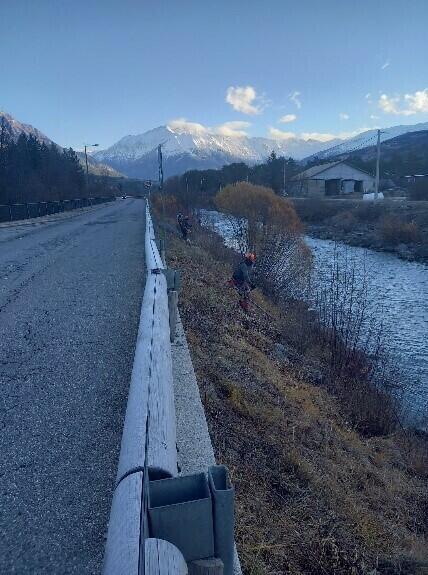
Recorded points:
(399, 297)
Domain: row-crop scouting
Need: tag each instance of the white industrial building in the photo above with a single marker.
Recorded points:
(333, 179)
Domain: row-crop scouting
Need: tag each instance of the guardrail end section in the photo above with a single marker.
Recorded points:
(163, 558)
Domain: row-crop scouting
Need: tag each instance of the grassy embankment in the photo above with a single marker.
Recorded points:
(395, 226)
(312, 494)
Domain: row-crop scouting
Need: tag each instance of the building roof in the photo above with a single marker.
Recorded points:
(315, 170)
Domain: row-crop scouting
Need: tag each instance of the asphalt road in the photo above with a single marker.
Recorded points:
(70, 297)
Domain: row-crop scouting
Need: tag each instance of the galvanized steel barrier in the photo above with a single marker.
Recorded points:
(24, 211)
(148, 449)
(158, 521)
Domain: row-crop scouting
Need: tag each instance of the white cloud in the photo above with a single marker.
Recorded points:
(182, 125)
(294, 97)
(326, 137)
(418, 101)
(287, 118)
(243, 99)
(374, 117)
(343, 116)
(385, 65)
(408, 105)
(234, 129)
(280, 135)
(318, 136)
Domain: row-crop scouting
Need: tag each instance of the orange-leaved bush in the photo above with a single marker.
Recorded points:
(264, 222)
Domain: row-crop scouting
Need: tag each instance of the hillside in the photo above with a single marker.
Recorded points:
(364, 140)
(16, 128)
(401, 156)
(312, 494)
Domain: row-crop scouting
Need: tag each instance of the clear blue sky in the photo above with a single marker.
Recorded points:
(96, 70)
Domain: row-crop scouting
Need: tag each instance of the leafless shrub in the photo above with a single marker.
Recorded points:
(284, 266)
(395, 231)
(359, 371)
(345, 220)
(368, 211)
(316, 210)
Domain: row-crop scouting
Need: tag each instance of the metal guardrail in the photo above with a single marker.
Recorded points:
(148, 449)
(159, 521)
(25, 211)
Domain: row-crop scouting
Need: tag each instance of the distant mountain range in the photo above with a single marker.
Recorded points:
(184, 149)
(136, 156)
(16, 128)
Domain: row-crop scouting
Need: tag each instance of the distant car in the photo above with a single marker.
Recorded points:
(123, 197)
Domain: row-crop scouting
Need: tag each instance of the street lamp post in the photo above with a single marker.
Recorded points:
(86, 161)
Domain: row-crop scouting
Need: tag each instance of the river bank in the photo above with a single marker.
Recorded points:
(313, 495)
(398, 227)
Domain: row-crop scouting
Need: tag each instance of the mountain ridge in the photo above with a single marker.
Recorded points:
(199, 149)
(366, 139)
(94, 166)
(186, 149)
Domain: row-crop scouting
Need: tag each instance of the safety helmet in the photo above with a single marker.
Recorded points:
(250, 256)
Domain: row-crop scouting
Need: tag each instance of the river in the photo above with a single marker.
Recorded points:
(399, 297)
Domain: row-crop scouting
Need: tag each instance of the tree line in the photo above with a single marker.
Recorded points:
(32, 171)
(198, 187)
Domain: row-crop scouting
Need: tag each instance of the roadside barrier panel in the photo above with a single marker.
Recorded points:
(19, 212)
(159, 521)
(149, 428)
(5, 214)
(123, 551)
(13, 212)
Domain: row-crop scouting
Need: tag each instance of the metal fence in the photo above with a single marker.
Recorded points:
(24, 211)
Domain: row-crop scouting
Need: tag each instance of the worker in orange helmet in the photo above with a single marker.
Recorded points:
(242, 279)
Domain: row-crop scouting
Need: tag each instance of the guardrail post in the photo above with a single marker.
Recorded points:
(172, 308)
(162, 251)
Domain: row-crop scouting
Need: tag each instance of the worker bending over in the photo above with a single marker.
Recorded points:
(242, 279)
(184, 225)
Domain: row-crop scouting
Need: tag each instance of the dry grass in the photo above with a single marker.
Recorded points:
(312, 496)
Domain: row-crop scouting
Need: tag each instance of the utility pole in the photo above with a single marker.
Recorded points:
(160, 166)
(160, 162)
(86, 161)
(377, 166)
(283, 178)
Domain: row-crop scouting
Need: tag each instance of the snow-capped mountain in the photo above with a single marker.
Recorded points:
(184, 149)
(16, 128)
(364, 140)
